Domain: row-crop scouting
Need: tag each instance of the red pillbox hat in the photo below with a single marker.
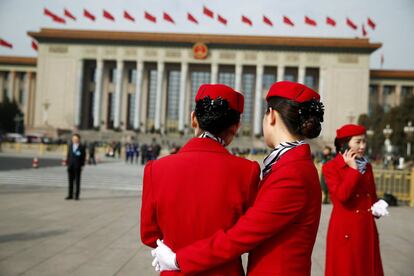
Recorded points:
(349, 130)
(235, 99)
(292, 91)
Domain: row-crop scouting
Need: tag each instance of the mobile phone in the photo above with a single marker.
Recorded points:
(344, 148)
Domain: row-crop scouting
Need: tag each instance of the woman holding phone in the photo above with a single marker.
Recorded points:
(280, 229)
(352, 241)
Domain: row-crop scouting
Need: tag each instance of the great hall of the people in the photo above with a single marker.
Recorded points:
(110, 84)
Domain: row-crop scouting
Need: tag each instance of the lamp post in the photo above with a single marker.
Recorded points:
(370, 134)
(387, 131)
(409, 130)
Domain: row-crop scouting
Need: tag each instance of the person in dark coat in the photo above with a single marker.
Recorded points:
(75, 161)
(326, 156)
(91, 151)
(144, 152)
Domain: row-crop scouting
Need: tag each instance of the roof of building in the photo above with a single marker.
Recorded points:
(212, 40)
(13, 60)
(391, 74)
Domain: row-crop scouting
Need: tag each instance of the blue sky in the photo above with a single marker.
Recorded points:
(394, 19)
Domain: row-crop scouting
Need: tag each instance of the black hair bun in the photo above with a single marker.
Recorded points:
(311, 115)
(215, 115)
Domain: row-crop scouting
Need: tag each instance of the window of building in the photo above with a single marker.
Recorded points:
(197, 79)
(152, 93)
(291, 74)
(112, 74)
(92, 74)
(406, 91)
(111, 110)
(373, 100)
(132, 76)
(312, 78)
(226, 75)
(130, 110)
(173, 94)
(248, 87)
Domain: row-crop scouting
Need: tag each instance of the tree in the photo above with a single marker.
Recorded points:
(8, 112)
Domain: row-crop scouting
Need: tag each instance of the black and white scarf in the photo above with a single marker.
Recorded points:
(207, 134)
(275, 155)
(361, 164)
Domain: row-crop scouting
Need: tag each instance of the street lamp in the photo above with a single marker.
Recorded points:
(387, 131)
(370, 134)
(409, 130)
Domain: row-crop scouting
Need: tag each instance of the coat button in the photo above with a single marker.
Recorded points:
(357, 211)
(357, 195)
(369, 210)
(346, 237)
(368, 195)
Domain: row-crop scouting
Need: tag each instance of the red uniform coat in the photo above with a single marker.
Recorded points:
(352, 242)
(279, 229)
(190, 195)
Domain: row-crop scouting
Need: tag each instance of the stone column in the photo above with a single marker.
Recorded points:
(10, 89)
(397, 95)
(280, 73)
(258, 106)
(98, 93)
(301, 75)
(78, 94)
(214, 73)
(158, 100)
(118, 93)
(238, 77)
(138, 93)
(183, 86)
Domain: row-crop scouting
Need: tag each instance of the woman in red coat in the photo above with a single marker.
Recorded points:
(280, 228)
(352, 241)
(190, 195)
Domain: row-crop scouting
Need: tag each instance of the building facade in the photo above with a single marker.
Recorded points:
(123, 82)
(18, 83)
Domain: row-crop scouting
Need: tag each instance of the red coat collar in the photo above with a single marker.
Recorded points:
(203, 144)
(301, 152)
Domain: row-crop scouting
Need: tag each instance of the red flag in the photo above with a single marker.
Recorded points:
(267, 21)
(371, 23)
(287, 21)
(351, 24)
(168, 18)
(150, 17)
(246, 20)
(34, 45)
(89, 15)
(364, 32)
(59, 19)
(221, 19)
(5, 43)
(48, 13)
(108, 16)
(208, 12)
(330, 21)
(310, 21)
(128, 16)
(191, 18)
(67, 13)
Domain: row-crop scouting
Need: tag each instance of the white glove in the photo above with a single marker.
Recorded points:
(164, 258)
(379, 209)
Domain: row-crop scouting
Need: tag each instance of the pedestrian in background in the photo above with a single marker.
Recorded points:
(75, 161)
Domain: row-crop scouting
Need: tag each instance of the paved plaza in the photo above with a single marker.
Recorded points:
(43, 234)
